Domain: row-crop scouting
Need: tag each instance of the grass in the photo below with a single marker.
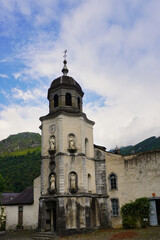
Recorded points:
(21, 152)
(150, 233)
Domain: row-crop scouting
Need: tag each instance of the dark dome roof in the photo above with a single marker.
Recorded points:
(65, 81)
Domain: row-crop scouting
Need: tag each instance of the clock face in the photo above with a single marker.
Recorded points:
(52, 128)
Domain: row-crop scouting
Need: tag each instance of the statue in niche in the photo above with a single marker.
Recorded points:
(52, 182)
(73, 181)
(52, 144)
(71, 143)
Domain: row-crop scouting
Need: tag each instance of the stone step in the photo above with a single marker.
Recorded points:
(44, 236)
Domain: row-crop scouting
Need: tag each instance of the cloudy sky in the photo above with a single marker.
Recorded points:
(113, 53)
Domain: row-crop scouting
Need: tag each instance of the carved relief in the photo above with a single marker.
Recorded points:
(73, 182)
(52, 182)
(52, 145)
(52, 128)
(99, 155)
(72, 143)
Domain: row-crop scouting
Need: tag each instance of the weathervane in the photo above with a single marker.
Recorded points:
(65, 70)
(65, 54)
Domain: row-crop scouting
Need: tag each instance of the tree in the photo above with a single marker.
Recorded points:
(2, 184)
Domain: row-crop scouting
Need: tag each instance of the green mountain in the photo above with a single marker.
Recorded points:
(20, 141)
(20, 160)
(148, 144)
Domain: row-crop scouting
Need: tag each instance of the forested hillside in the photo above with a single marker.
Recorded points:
(20, 141)
(20, 160)
(148, 144)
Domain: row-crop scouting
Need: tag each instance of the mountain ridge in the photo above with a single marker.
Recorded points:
(151, 143)
(20, 141)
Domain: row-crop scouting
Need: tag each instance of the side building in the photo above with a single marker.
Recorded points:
(21, 209)
(131, 177)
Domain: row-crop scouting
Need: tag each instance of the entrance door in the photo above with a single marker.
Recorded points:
(20, 215)
(93, 213)
(153, 213)
(158, 210)
(54, 216)
(48, 220)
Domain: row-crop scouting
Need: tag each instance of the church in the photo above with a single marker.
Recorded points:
(73, 181)
(82, 186)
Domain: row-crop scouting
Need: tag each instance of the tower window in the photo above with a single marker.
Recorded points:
(89, 183)
(56, 100)
(113, 181)
(78, 103)
(115, 207)
(86, 146)
(68, 99)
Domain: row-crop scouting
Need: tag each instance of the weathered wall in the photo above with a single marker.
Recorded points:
(142, 172)
(138, 176)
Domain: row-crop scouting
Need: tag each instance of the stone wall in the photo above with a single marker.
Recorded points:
(138, 176)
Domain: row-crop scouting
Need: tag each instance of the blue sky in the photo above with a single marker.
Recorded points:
(113, 53)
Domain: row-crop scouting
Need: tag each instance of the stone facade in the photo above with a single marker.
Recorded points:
(137, 176)
(73, 186)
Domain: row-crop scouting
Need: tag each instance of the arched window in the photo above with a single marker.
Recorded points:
(113, 181)
(89, 183)
(86, 146)
(68, 99)
(78, 103)
(115, 206)
(56, 100)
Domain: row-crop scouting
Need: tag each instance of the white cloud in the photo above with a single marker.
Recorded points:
(3, 60)
(29, 95)
(17, 75)
(3, 76)
(114, 52)
(15, 119)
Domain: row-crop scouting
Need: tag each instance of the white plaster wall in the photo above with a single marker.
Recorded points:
(30, 212)
(11, 217)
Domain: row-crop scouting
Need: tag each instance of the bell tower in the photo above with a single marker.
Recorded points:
(69, 201)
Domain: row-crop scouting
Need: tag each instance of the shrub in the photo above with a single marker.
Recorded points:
(134, 213)
(2, 219)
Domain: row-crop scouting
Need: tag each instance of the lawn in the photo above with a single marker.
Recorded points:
(151, 233)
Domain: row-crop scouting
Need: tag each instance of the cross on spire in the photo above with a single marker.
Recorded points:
(65, 69)
(65, 54)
